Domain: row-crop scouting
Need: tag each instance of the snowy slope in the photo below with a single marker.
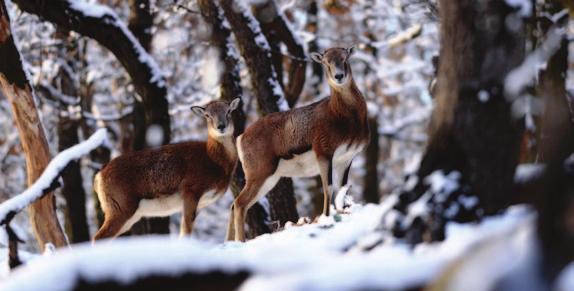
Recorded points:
(328, 256)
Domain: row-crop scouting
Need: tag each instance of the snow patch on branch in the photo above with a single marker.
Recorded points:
(278, 91)
(52, 171)
(524, 6)
(523, 76)
(253, 24)
(528, 172)
(100, 11)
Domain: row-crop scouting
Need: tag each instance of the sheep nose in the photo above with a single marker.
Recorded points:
(339, 77)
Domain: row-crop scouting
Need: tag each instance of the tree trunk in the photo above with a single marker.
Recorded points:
(231, 89)
(256, 53)
(101, 155)
(277, 31)
(17, 89)
(312, 27)
(555, 201)
(68, 125)
(140, 24)
(371, 191)
(109, 31)
(474, 139)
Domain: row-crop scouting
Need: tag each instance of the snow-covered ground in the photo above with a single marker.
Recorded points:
(349, 253)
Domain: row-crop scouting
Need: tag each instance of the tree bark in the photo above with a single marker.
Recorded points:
(270, 99)
(140, 24)
(231, 89)
(555, 199)
(473, 136)
(111, 33)
(276, 30)
(313, 27)
(101, 155)
(68, 125)
(257, 55)
(17, 89)
(371, 191)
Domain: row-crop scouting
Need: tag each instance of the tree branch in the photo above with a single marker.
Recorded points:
(103, 25)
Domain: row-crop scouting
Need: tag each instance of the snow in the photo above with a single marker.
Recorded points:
(441, 183)
(100, 11)
(483, 96)
(154, 135)
(527, 172)
(524, 6)
(342, 199)
(307, 257)
(522, 76)
(277, 91)
(260, 39)
(565, 281)
(91, 9)
(56, 165)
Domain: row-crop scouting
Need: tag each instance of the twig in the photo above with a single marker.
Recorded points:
(13, 240)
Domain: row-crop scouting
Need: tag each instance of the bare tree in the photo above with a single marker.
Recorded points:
(68, 127)
(474, 139)
(140, 23)
(555, 196)
(108, 30)
(230, 89)
(256, 52)
(17, 89)
(276, 29)
(371, 191)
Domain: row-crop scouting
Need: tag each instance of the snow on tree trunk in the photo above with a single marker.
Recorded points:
(468, 166)
(555, 198)
(16, 88)
(277, 30)
(103, 25)
(231, 89)
(255, 50)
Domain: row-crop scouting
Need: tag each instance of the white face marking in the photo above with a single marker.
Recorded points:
(335, 83)
(303, 165)
(215, 133)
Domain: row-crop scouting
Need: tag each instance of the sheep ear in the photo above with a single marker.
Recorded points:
(317, 57)
(350, 50)
(234, 104)
(198, 110)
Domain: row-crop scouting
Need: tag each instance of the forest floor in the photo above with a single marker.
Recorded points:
(347, 251)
